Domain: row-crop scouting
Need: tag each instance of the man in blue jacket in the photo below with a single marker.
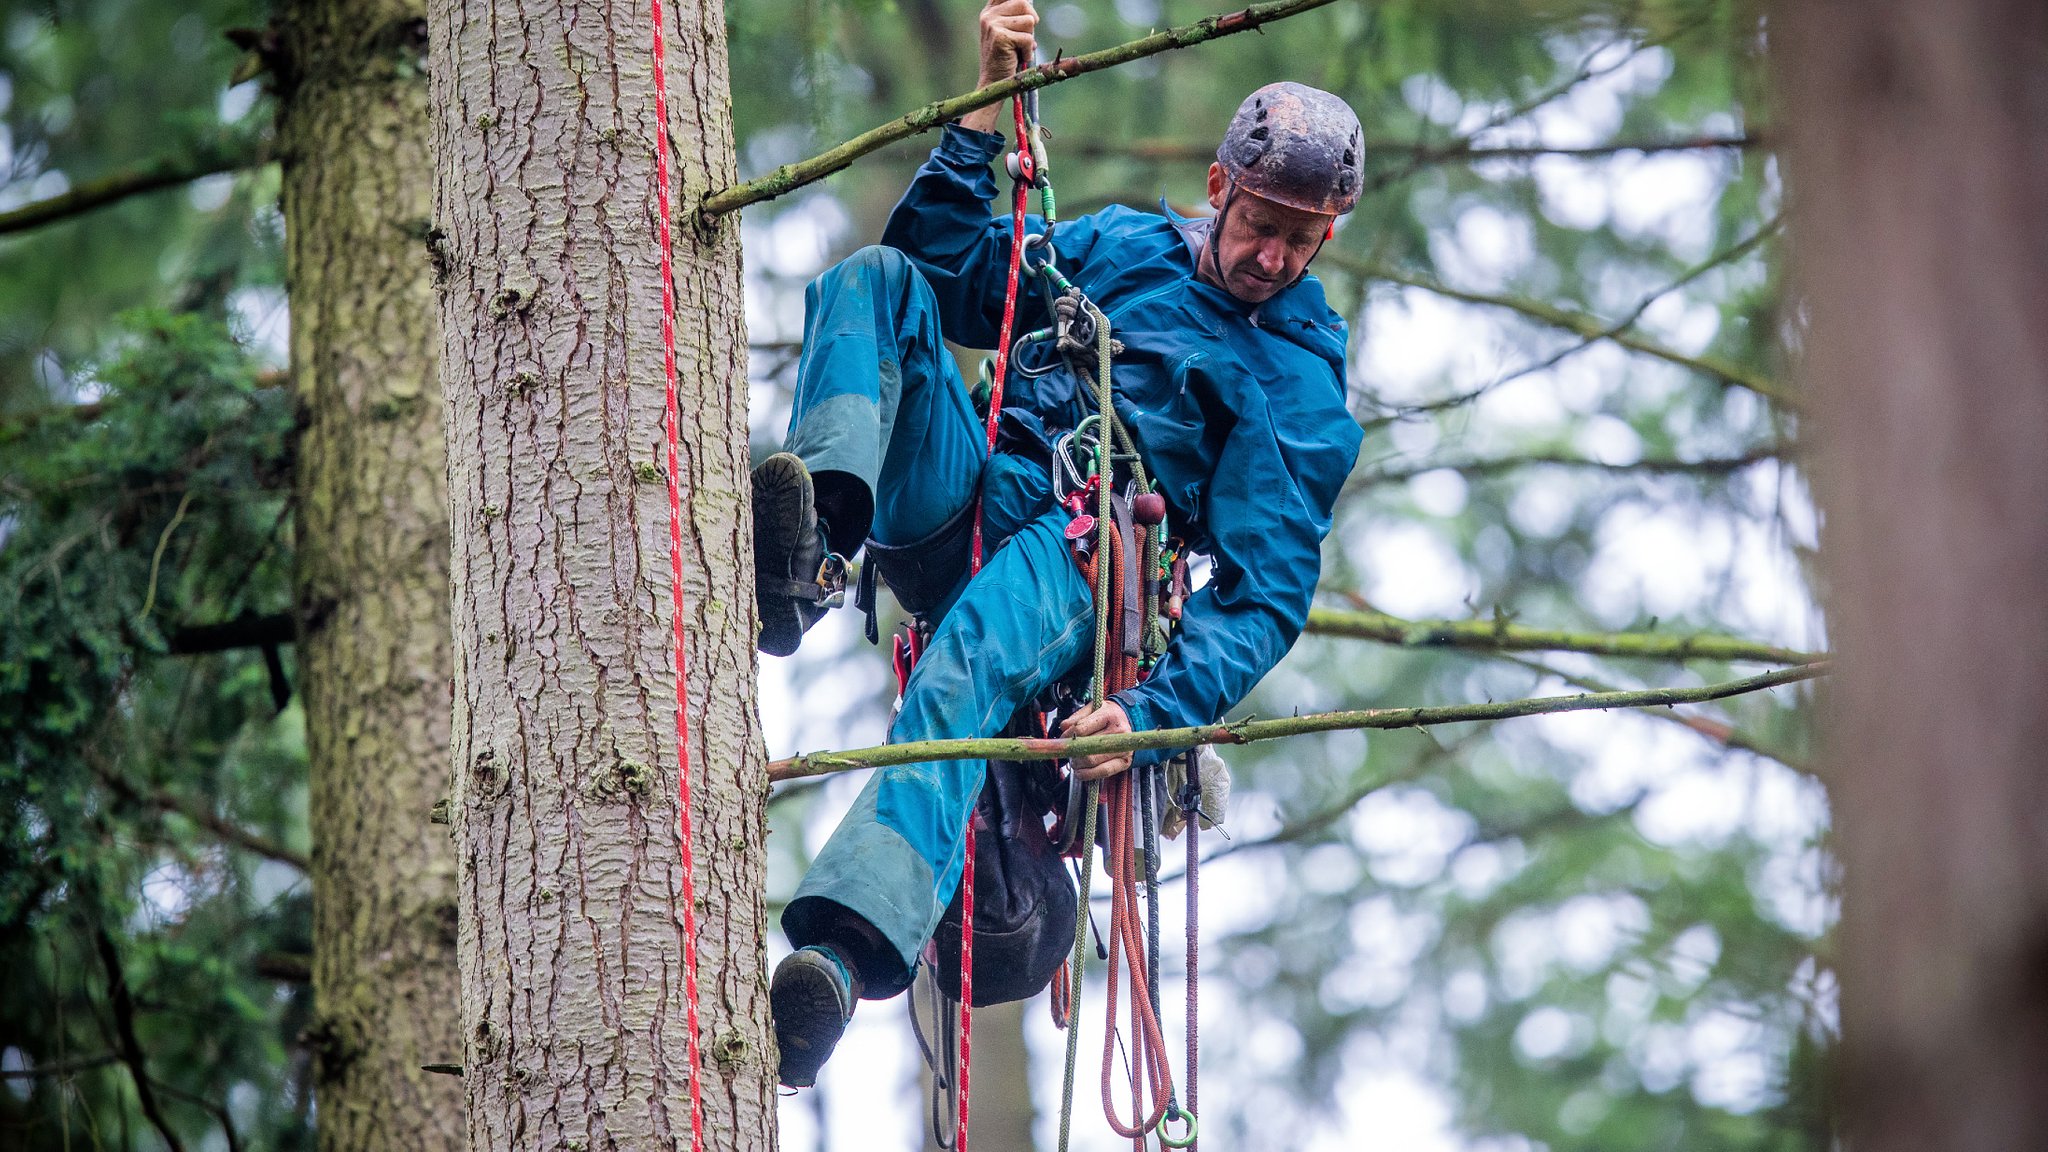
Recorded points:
(1231, 381)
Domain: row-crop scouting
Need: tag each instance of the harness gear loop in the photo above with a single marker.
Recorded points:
(1186, 1139)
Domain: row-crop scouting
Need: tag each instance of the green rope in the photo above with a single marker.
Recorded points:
(1104, 517)
(1077, 961)
(1103, 527)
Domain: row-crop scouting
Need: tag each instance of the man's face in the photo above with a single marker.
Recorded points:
(1262, 246)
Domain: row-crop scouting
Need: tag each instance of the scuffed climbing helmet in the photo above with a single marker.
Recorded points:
(1298, 146)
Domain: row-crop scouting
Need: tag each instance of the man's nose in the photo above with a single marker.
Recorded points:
(1272, 257)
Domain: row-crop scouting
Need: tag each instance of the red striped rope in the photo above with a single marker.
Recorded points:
(995, 410)
(672, 427)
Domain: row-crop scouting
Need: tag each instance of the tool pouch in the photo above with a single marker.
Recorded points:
(1024, 900)
(921, 574)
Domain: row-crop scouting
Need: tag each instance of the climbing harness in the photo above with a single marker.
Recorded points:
(672, 429)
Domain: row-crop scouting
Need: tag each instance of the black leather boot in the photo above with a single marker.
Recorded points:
(796, 577)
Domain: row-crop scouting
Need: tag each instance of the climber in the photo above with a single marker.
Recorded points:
(1231, 381)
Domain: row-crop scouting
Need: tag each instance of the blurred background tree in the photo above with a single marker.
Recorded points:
(1602, 931)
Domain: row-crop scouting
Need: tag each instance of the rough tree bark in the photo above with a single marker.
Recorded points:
(1918, 134)
(372, 556)
(565, 796)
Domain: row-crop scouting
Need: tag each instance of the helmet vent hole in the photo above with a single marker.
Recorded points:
(1260, 133)
(1350, 158)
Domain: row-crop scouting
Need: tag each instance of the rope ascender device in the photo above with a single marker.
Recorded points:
(1119, 537)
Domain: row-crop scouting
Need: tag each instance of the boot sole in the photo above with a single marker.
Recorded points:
(785, 516)
(810, 1013)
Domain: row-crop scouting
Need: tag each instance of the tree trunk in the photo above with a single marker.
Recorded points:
(372, 556)
(566, 778)
(1918, 136)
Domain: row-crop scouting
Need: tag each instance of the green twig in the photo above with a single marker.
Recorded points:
(1249, 731)
(156, 559)
(150, 177)
(1719, 731)
(790, 177)
(1504, 636)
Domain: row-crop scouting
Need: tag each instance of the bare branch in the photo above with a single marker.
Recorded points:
(249, 630)
(1706, 466)
(219, 1112)
(63, 1068)
(1248, 731)
(230, 831)
(1719, 731)
(163, 800)
(1160, 150)
(790, 177)
(150, 177)
(1502, 635)
(1586, 70)
(131, 1047)
(285, 967)
(1588, 328)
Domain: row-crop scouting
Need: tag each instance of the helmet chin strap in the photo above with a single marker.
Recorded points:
(1215, 244)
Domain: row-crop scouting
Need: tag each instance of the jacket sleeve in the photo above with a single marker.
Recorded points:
(943, 225)
(1269, 506)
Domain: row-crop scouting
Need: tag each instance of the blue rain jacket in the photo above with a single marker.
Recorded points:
(1237, 409)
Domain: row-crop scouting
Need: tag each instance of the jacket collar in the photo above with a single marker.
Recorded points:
(1299, 311)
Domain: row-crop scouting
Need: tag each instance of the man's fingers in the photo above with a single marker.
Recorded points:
(1105, 769)
(1085, 723)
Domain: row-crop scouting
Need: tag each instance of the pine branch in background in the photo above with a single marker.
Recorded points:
(166, 172)
(248, 630)
(1250, 731)
(229, 832)
(790, 177)
(1502, 635)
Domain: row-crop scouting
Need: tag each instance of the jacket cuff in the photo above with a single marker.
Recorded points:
(1139, 711)
(965, 146)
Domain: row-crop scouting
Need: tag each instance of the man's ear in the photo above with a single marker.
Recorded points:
(1216, 179)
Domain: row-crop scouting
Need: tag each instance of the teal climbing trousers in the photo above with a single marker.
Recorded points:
(884, 422)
